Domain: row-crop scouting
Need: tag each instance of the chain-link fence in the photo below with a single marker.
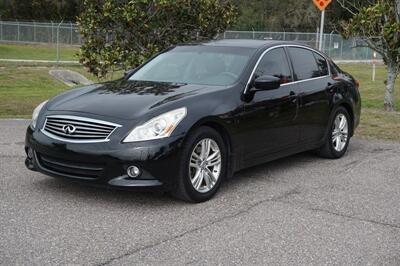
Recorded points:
(67, 34)
(35, 32)
(333, 45)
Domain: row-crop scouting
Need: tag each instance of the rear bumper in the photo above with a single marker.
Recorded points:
(105, 164)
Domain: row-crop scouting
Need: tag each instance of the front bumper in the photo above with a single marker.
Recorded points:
(105, 164)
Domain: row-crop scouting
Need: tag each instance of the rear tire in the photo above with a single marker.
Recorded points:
(203, 166)
(338, 138)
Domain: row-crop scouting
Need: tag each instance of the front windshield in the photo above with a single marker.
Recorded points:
(204, 65)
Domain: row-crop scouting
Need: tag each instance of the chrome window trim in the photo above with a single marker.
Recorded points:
(300, 81)
(79, 118)
(283, 46)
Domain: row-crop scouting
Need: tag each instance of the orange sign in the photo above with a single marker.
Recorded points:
(322, 4)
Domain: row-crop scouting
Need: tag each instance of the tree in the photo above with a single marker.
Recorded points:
(123, 34)
(378, 26)
(291, 15)
(56, 10)
(276, 15)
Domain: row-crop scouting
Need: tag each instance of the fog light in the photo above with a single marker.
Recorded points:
(133, 171)
(30, 153)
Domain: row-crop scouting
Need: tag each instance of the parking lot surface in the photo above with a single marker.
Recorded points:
(301, 210)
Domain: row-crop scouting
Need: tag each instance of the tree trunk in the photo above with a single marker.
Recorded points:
(392, 73)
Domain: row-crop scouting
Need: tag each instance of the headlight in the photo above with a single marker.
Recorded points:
(159, 127)
(35, 114)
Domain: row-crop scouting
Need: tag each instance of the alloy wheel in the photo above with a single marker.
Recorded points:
(340, 132)
(205, 165)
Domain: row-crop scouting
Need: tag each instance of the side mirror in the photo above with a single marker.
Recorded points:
(267, 82)
(128, 73)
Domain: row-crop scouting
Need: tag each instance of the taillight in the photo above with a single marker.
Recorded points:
(357, 83)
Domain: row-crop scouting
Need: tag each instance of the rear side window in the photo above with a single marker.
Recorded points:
(304, 64)
(275, 63)
(322, 65)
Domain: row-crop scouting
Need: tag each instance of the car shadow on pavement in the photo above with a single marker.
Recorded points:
(110, 195)
(262, 173)
(266, 171)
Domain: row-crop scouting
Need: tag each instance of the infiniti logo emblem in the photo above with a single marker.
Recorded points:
(69, 129)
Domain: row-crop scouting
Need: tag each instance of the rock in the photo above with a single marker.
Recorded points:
(71, 78)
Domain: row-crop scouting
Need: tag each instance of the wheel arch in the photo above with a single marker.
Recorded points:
(349, 110)
(223, 131)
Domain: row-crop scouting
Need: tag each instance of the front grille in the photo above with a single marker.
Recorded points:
(70, 168)
(78, 129)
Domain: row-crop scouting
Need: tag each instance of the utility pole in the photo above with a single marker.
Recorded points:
(58, 43)
(321, 33)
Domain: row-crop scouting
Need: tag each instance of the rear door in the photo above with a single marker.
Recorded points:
(312, 75)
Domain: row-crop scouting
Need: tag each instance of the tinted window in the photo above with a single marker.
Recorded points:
(322, 65)
(304, 64)
(275, 63)
(205, 65)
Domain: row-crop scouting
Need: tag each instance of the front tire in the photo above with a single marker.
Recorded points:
(203, 166)
(338, 139)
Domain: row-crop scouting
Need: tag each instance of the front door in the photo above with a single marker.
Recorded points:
(269, 119)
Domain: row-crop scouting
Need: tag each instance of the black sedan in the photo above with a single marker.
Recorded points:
(195, 114)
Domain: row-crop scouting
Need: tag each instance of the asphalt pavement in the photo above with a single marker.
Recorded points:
(301, 210)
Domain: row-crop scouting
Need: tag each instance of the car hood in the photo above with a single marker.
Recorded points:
(123, 99)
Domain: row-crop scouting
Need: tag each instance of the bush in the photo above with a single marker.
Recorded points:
(123, 34)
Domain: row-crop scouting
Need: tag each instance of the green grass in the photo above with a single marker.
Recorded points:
(37, 52)
(372, 92)
(23, 87)
(377, 124)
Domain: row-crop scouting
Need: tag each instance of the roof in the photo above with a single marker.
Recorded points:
(246, 43)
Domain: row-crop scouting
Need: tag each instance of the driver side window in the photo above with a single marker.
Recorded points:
(275, 63)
